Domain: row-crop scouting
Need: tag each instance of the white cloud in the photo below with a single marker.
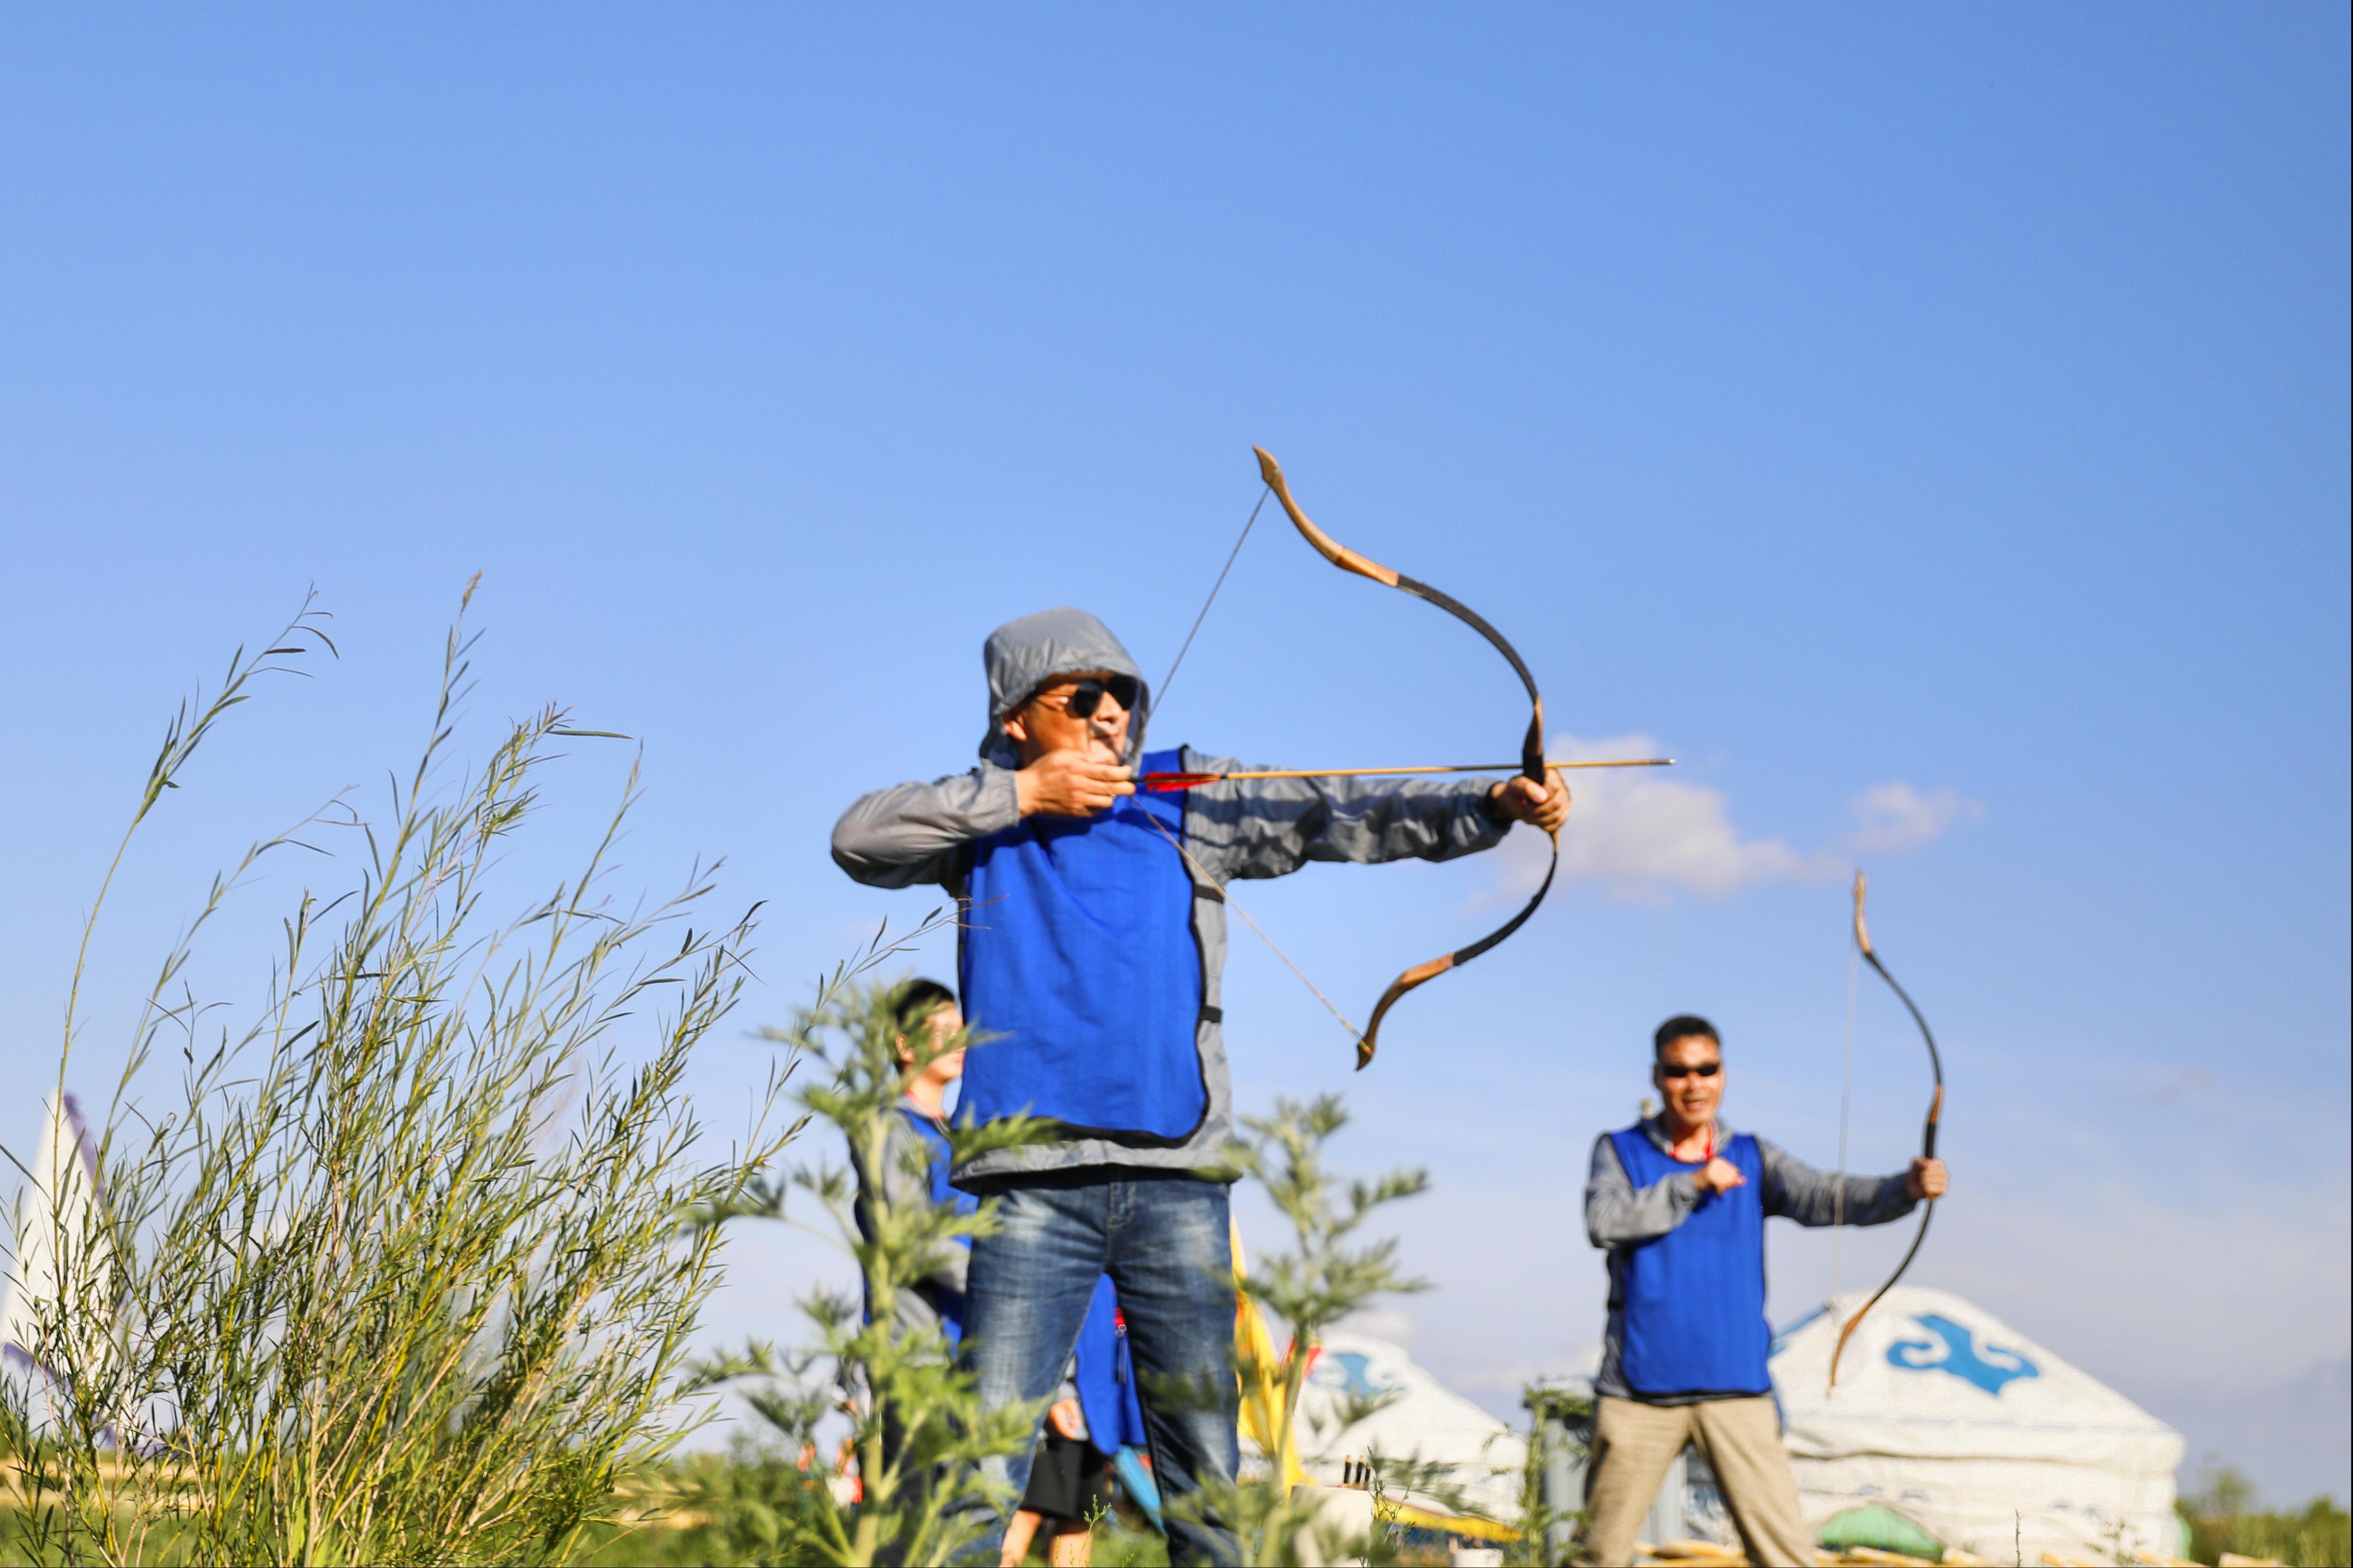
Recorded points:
(1891, 819)
(1644, 834)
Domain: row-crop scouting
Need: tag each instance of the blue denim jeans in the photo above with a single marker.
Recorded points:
(1163, 1240)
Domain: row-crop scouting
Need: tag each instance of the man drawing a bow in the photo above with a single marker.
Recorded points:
(1091, 953)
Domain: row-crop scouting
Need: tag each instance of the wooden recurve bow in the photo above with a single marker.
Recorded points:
(1531, 757)
(1927, 1131)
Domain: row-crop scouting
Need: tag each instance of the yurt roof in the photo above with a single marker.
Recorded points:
(1927, 1374)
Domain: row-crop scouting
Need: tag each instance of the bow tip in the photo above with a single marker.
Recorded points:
(1268, 468)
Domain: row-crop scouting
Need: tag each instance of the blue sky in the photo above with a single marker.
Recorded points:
(1930, 423)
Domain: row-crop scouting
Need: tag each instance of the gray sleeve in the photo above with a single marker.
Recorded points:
(906, 1182)
(914, 832)
(1269, 827)
(1795, 1189)
(1616, 1215)
(949, 1266)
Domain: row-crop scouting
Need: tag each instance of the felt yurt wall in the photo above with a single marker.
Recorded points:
(1994, 1444)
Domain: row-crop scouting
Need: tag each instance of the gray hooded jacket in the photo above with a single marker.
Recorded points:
(915, 834)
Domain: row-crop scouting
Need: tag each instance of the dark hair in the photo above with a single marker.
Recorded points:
(916, 1001)
(1682, 1026)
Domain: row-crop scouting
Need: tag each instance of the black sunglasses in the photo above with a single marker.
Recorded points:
(1705, 1069)
(1088, 695)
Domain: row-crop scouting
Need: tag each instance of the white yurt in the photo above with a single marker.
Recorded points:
(65, 1162)
(1994, 1446)
(1421, 1420)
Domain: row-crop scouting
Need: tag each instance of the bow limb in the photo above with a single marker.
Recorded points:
(1531, 757)
(1927, 1131)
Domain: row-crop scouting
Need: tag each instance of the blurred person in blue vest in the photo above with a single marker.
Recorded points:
(1094, 1416)
(1091, 954)
(915, 1157)
(1681, 1200)
(915, 1154)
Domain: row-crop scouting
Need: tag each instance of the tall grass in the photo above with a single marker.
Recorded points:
(2222, 1518)
(394, 1270)
(1325, 1275)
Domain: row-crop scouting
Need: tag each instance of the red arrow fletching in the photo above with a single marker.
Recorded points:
(1164, 783)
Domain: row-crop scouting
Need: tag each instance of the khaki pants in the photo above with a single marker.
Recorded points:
(1634, 1442)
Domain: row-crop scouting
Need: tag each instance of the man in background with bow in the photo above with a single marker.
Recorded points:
(1090, 960)
(1680, 1201)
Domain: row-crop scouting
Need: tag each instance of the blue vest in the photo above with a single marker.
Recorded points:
(1082, 973)
(943, 1196)
(1692, 1302)
(949, 1304)
(1105, 1376)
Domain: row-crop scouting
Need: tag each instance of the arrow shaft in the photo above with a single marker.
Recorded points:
(1165, 782)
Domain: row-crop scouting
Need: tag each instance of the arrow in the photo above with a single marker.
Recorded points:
(1164, 783)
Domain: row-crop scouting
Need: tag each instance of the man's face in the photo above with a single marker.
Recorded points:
(1045, 722)
(941, 1025)
(1692, 1096)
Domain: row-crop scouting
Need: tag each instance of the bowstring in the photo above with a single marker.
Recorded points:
(1846, 1088)
(1160, 692)
(1159, 696)
(1228, 899)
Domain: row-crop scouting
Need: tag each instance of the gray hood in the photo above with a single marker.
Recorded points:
(1021, 656)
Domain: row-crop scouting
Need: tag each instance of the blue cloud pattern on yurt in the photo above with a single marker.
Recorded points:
(1960, 1357)
(1354, 1375)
